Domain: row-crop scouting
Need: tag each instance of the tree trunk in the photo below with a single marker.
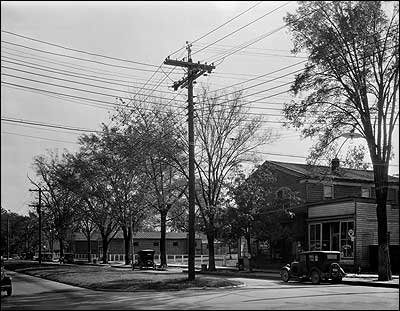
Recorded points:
(105, 249)
(89, 246)
(211, 255)
(61, 241)
(381, 190)
(163, 253)
(127, 239)
(249, 249)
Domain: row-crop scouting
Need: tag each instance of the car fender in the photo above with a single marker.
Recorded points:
(287, 268)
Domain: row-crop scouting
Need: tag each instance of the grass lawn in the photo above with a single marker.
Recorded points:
(121, 279)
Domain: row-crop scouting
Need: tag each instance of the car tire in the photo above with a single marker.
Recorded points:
(315, 278)
(285, 275)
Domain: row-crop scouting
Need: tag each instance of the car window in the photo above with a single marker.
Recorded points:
(303, 258)
(332, 256)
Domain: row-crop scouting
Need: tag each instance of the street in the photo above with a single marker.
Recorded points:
(31, 293)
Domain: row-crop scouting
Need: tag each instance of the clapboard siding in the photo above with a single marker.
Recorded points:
(367, 229)
(331, 210)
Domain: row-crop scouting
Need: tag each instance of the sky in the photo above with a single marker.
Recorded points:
(84, 54)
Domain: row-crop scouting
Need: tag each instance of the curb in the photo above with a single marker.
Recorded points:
(348, 282)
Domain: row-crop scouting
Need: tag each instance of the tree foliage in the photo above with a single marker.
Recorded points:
(349, 83)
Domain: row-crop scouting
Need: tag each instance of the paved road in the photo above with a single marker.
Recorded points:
(32, 293)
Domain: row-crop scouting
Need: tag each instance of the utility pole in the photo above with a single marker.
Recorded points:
(39, 211)
(8, 235)
(194, 70)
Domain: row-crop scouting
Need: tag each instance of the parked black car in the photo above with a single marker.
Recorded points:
(316, 266)
(67, 258)
(145, 259)
(6, 284)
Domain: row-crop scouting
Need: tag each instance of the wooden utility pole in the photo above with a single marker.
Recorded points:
(194, 70)
(39, 211)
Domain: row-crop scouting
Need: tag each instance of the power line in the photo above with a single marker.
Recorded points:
(70, 65)
(66, 73)
(20, 121)
(252, 22)
(80, 51)
(77, 58)
(67, 80)
(83, 90)
(38, 137)
(233, 18)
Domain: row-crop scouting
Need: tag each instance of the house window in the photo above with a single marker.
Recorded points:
(135, 243)
(328, 192)
(155, 244)
(347, 239)
(315, 237)
(365, 193)
(175, 243)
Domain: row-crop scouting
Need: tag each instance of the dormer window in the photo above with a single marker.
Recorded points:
(328, 193)
(365, 192)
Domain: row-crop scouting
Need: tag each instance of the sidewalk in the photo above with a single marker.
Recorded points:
(350, 278)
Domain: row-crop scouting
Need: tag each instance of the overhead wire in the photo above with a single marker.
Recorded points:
(252, 22)
(76, 50)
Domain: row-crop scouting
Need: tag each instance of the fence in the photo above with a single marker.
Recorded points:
(220, 260)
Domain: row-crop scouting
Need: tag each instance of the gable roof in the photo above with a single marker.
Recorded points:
(318, 171)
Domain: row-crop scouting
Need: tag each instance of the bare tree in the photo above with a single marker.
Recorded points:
(225, 136)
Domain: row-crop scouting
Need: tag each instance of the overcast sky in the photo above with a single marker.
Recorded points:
(140, 34)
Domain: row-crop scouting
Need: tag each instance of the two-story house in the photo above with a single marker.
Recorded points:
(338, 211)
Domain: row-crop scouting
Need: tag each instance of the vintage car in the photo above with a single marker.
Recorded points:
(5, 280)
(67, 258)
(316, 266)
(145, 259)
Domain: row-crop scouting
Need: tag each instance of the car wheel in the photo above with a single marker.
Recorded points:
(9, 292)
(315, 278)
(285, 275)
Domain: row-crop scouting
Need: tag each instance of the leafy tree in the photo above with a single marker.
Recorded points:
(88, 177)
(21, 232)
(257, 211)
(154, 134)
(59, 203)
(350, 82)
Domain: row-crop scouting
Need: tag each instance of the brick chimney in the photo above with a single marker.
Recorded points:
(334, 165)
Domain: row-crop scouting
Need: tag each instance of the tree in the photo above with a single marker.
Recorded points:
(224, 138)
(59, 203)
(88, 177)
(155, 137)
(350, 83)
(258, 210)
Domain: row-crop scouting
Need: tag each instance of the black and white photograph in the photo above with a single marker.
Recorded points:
(200, 155)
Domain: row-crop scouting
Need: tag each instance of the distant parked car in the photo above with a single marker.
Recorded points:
(316, 266)
(67, 258)
(6, 284)
(145, 259)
